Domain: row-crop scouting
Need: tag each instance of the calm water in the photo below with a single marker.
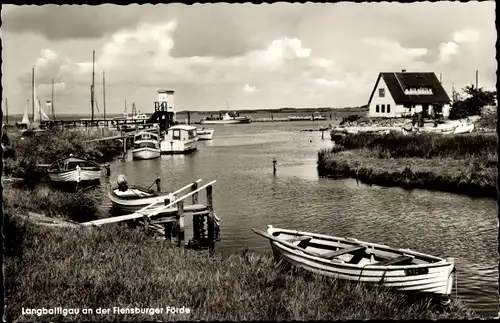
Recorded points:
(247, 195)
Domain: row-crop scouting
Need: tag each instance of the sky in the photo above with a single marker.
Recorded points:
(241, 56)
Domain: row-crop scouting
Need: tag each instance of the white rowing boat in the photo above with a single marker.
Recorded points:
(74, 170)
(351, 259)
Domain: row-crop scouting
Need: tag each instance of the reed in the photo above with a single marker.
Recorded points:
(425, 145)
(475, 176)
(110, 267)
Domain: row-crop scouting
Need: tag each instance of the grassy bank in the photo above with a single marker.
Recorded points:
(462, 164)
(47, 147)
(115, 267)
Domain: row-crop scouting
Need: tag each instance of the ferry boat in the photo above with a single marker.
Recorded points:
(226, 119)
(146, 146)
(179, 139)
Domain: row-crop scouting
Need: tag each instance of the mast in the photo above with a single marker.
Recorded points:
(33, 92)
(6, 111)
(52, 101)
(104, 94)
(92, 87)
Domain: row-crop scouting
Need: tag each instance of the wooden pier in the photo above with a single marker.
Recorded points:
(171, 216)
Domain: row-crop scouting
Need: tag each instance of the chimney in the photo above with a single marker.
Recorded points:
(402, 71)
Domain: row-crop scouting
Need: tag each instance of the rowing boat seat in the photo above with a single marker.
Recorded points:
(303, 240)
(358, 252)
(401, 260)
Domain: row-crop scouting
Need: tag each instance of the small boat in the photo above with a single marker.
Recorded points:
(179, 139)
(205, 134)
(226, 119)
(464, 128)
(130, 198)
(351, 259)
(146, 146)
(74, 170)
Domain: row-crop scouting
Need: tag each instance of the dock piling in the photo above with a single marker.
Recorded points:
(180, 223)
(194, 187)
(210, 222)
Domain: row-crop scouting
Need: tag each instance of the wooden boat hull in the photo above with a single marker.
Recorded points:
(74, 176)
(464, 129)
(178, 146)
(435, 277)
(145, 153)
(132, 205)
(205, 134)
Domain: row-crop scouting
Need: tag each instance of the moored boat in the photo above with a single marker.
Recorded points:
(74, 170)
(351, 259)
(226, 119)
(179, 139)
(130, 198)
(464, 128)
(205, 134)
(146, 146)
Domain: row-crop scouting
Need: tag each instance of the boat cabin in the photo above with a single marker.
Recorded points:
(181, 133)
(145, 136)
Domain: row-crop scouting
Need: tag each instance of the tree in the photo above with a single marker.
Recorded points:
(476, 99)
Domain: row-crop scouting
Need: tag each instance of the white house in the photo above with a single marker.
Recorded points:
(406, 93)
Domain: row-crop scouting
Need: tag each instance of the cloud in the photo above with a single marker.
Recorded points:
(466, 35)
(57, 22)
(391, 51)
(330, 83)
(248, 88)
(447, 51)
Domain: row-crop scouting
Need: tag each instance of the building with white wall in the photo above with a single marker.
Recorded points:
(406, 93)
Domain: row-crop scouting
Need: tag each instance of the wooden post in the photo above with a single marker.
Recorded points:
(210, 222)
(168, 231)
(194, 187)
(274, 166)
(180, 222)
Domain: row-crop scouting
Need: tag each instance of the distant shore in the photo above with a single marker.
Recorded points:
(464, 164)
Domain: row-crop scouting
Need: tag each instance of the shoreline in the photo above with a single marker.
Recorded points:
(235, 286)
(444, 175)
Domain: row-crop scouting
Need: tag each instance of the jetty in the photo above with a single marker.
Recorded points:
(171, 215)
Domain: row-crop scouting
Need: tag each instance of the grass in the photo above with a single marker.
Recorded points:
(462, 164)
(80, 206)
(114, 267)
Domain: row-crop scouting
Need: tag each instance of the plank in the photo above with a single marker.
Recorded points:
(127, 217)
(301, 238)
(333, 254)
(394, 261)
(287, 244)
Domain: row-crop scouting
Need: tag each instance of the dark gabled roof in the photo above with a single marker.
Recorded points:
(398, 82)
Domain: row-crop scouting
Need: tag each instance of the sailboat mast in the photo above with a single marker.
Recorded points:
(52, 101)
(6, 111)
(104, 94)
(33, 92)
(92, 93)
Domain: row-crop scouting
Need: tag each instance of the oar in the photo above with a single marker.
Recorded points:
(289, 245)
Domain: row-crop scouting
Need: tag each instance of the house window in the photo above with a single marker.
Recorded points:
(176, 135)
(376, 108)
(381, 93)
(383, 108)
(388, 108)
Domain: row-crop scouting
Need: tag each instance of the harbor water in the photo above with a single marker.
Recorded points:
(247, 195)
